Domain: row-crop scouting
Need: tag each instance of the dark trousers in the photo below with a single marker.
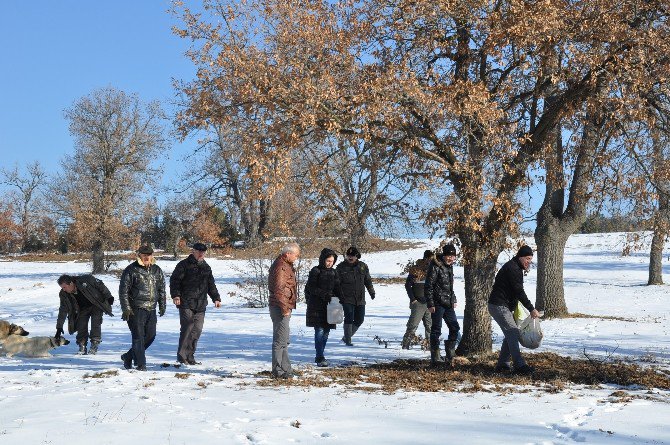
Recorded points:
(449, 316)
(191, 323)
(353, 314)
(142, 327)
(95, 315)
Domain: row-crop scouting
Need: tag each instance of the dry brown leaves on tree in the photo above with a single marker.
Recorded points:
(553, 374)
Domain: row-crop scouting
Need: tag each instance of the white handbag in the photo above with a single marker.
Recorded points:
(334, 312)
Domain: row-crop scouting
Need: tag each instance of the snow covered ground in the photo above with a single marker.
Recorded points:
(57, 401)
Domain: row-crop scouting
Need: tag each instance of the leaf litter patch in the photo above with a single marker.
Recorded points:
(553, 373)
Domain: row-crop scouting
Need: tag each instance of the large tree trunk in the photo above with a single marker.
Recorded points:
(479, 276)
(551, 239)
(98, 257)
(656, 258)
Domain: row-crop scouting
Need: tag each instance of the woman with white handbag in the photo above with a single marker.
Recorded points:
(323, 293)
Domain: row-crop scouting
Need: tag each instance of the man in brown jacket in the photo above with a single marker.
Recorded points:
(283, 295)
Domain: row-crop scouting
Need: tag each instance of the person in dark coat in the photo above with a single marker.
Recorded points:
(190, 283)
(142, 287)
(507, 292)
(354, 279)
(83, 298)
(322, 285)
(441, 302)
(414, 285)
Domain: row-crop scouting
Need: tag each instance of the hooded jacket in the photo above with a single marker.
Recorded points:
(322, 284)
(192, 281)
(142, 287)
(91, 289)
(439, 287)
(508, 287)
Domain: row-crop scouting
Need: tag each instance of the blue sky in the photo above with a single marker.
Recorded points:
(54, 52)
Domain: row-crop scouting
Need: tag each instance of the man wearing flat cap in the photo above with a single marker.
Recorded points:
(142, 287)
(190, 283)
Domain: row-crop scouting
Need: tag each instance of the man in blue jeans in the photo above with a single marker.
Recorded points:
(354, 279)
(142, 287)
(441, 301)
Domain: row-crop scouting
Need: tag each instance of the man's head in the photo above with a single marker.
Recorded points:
(146, 254)
(198, 251)
(525, 257)
(353, 255)
(66, 282)
(428, 254)
(449, 253)
(291, 252)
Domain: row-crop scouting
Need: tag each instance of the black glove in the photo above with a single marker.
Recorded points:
(372, 296)
(59, 332)
(161, 312)
(127, 313)
(110, 300)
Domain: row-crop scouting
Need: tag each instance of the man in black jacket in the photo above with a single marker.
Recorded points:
(441, 301)
(507, 292)
(190, 283)
(142, 287)
(354, 279)
(83, 298)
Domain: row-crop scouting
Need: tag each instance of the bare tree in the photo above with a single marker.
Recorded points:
(28, 186)
(117, 137)
(354, 187)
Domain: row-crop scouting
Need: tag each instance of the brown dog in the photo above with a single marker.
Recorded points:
(7, 329)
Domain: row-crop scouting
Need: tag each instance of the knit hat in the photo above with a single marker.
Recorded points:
(352, 251)
(145, 250)
(200, 246)
(449, 249)
(524, 251)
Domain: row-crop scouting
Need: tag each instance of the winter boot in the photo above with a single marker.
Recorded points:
(450, 351)
(347, 334)
(82, 349)
(406, 341)
(435, 357)
(94, 348)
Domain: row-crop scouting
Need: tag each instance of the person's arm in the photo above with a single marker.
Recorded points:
(409, 283)
(368, 282)
(516, 281)
(212, 290)
(160, 289)
(104, 291)
(62, 313)
(428, 288)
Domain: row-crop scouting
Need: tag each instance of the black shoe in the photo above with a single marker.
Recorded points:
(524, 370)
(82, 350)
(322, 363)
(94, 349)
(192, 362)
(503, 369)
(141, 368)
(127, 361)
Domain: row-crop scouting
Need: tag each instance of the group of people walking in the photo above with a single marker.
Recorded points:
(84, 298)
(429, 286)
